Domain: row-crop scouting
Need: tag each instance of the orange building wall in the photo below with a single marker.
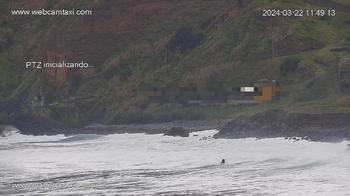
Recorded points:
(267, 93)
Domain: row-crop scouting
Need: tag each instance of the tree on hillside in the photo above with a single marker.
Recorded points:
(277, 30)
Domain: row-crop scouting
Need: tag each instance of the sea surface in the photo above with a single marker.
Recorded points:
(140, 164)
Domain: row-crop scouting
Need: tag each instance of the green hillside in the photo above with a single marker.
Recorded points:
(138, 46)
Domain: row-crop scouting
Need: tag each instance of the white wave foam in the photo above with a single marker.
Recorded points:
(268, 166)
(11, 134)
(205, 133)
(9, 130)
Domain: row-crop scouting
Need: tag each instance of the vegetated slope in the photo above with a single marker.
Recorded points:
(139, 47)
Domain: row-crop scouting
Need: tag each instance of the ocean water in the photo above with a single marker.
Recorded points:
(140, 164)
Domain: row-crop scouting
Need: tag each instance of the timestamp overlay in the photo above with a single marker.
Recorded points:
(273, 12)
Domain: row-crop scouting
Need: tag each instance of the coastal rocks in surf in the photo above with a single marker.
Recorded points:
(2, 130)
(206, 138)
(330, 127)
(6, 130)
(36, 125)
(178, 131)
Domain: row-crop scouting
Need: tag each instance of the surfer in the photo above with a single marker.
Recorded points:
(223, 162)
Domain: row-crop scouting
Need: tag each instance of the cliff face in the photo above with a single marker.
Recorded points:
(136, 46)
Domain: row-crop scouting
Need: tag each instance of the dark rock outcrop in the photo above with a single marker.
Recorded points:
(34, 125)
(278, 123)
(30, 125)
(178, 131)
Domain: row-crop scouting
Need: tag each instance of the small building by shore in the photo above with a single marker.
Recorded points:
(267, 90)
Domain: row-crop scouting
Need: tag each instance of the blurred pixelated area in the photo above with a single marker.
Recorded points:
(263, 91)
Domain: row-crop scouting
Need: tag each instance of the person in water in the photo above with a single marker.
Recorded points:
(223, 162)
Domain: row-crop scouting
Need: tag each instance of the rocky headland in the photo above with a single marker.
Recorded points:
(327, 127)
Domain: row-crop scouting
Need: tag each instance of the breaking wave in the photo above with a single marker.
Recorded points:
(155, 164)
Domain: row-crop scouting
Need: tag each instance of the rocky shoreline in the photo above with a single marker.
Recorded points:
(328, 127)
(151, 128)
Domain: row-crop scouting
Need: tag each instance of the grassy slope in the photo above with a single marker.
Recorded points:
(312, 87)
(235, 50)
